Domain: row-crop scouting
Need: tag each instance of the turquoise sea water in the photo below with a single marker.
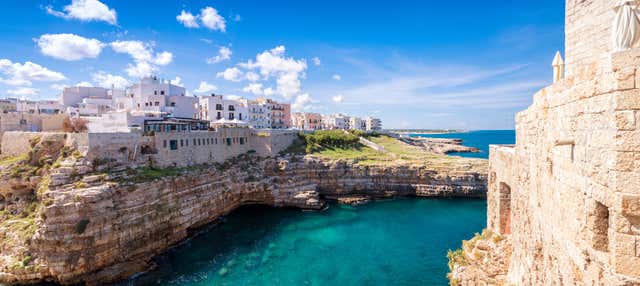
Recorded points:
(399, 242)
(480, 139)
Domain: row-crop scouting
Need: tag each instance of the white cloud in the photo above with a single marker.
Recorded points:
(302, 102)
(338, 98)
(187, 19)
(205, 87)
(237, 18)
(85, 84)
(24, 91)
(233, 97)
(57, 86)
(268, 91)
(24, 74)
(255, 88)
(211, 19)
(231, 74)
(287, 71)
(106, 80)
(177, 81)
(251, 76)
(164, 58)
(145, 63)
(337, 77)
(86, 10)
(316, 61)
(224, 53)
(69, 47)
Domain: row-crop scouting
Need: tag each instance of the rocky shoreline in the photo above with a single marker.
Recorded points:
(92, 227)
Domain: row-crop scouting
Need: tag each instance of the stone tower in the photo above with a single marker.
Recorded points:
(567, 196)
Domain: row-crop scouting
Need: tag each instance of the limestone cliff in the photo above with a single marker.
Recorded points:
(96, 222)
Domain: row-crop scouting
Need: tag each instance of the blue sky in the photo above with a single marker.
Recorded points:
(415, 64)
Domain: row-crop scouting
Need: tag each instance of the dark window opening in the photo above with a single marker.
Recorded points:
(505, 208)
(173, 144)
(600, 227)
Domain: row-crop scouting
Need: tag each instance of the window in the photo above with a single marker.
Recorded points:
(232, 108)
(162, 92)
(216, 141)
(181, 143)
(155, 92)
(219, 107)
(186, 141)
(194, 142)
(164, 143)
(229, 141)
(173, 144)
(173, 104)
(231, 116)
(241, 141)
(240, 116)
(157, 103)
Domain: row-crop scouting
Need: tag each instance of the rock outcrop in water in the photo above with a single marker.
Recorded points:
(94, 225)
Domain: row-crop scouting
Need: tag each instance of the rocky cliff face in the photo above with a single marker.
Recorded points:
(107, 227)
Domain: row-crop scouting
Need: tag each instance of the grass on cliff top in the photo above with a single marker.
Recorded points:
(397, 153)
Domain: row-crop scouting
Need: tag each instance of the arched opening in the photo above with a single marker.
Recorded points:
(505, 208)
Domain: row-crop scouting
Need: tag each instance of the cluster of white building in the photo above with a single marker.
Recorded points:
(317, 121)
(116, 110)
(113, 110)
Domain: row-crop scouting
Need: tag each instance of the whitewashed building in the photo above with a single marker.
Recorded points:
(216, 107)
(266, 113)
(306, 121)
(157, 97)
(373, 124)
(335, 121)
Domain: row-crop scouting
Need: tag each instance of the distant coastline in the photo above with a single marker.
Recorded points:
(425, 131)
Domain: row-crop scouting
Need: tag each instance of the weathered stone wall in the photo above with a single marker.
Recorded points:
(135, 148)
(271, 142)
(573, 181)
(587, 33)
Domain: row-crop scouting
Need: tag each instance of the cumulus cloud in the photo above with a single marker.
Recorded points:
(255, 88)
(337, 77)
(338, 98)
(268, 91)
(84, 84)
(231, 74)
(251, 76)
(145, 62)
(302, 102)
(69, 47)
(187, 19)
(56, 86)
(224, 53)
(287, 71)
(86, 10)
(24, 74)
(107, 80)
(212, 20)
(24, 91)
(205, 87)
(177, 81)
(316, 61)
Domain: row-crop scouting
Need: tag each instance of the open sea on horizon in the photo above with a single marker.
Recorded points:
(480, 139)
(395, 242)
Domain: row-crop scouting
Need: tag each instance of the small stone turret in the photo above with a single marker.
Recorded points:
(558, 67)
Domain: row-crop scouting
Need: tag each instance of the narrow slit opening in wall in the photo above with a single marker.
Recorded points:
(601, 227)
(505, 208)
